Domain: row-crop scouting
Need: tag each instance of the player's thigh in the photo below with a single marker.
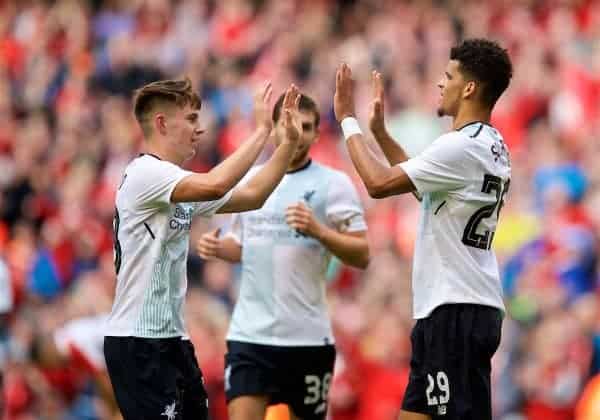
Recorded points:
(450, 367)
(248, 407)
(485, 340)
(308, 376)
(409, 415)
(250, 370)
(145, 385)
(194, 396)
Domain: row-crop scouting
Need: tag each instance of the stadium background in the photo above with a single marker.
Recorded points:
(67, 69)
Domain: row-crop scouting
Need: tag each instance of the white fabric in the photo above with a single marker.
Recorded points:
(453, 262)
(86, 335)
(282, 298)
(350, 127)
(152, 281)
(6, 292)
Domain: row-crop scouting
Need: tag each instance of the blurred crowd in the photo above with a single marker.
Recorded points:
(67, 70)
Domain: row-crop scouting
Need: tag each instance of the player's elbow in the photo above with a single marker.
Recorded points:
(219, 189)
(377, 190)
(363, 261)
(254, 198)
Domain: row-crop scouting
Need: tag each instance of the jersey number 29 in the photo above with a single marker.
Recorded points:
(491, 184)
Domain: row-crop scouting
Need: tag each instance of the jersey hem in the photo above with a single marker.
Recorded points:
(423, 315)
(314, 343)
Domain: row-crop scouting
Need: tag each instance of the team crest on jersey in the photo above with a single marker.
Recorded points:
(170, 412)
(308, 195)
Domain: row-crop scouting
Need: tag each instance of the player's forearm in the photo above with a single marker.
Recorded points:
(393, 152)
(372, 172)
(264, 182)
(233, 169)
(229, 250)
(350, 249)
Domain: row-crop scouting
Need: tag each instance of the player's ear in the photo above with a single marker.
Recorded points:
(160, 123)
(470, 89)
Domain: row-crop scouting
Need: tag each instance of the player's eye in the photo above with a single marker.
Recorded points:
(306, 127)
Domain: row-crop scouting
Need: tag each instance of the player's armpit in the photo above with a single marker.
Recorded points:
(393, 181)
(198, 187)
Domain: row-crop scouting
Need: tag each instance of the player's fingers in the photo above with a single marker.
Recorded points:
(287, 98)
(377, 106)
(287, 117)
(268, 94)
(379, 86)
(266, 88)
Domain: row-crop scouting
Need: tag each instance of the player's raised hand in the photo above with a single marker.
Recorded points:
(290, 109)
(262, 106)
(376, 112)
(208, 244)
(343, 100)
(301, 218)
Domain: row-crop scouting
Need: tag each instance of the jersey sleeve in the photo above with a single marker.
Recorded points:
(343, 209)
(443, 166)
(153, 182)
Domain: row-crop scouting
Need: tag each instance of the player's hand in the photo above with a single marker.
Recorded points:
(208, 244)
(376, 112)
(301, 218)
(291, 114)
(343, 100)
(262, 107)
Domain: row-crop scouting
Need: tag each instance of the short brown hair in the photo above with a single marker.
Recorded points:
(163, 92)
(306, 104)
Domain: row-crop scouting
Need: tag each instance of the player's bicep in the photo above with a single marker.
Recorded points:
(242, 199)
(197, 187)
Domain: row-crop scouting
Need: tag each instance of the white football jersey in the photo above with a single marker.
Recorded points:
(463, 178)
(151, 246)
(282, 299)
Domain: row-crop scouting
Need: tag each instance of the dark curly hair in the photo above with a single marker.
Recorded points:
(488, 63)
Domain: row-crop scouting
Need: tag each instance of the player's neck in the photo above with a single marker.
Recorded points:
(294, 167)
(154, 148)
(467, 115)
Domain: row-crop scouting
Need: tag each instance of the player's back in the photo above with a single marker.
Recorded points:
(464, 176)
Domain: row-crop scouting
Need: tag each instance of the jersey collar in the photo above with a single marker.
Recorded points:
(149, 154)
(303, 167)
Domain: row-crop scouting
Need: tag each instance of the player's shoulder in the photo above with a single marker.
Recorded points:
(144, 163)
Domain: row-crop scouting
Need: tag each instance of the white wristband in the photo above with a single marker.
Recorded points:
(350, 127)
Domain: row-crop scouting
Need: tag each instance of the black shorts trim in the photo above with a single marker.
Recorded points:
(297, 376)
(154, 379)
(450, 365)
